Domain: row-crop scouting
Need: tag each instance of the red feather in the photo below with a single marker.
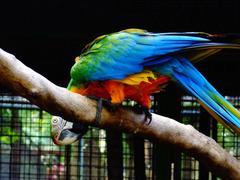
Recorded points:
(117, 91)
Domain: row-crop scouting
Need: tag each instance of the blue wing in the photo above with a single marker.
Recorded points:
(120, 54)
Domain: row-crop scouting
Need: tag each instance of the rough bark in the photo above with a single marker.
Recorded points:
(58, 101)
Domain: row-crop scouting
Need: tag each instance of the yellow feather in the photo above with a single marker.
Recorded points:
(77, 59)
(136, 79)
(134, 30)
(227, 106)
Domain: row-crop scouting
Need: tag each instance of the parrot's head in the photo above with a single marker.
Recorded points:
(64, 132)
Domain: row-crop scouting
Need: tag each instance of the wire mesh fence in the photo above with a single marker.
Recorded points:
(230, 142)
(27, 151)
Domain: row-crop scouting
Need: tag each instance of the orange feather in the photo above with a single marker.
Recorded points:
(117, 91)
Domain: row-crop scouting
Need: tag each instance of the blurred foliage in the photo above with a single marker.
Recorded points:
(9, 136)
(34, 127)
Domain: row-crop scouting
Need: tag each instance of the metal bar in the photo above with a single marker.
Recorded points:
(67, 162)
(204, 127)
(15, 153)
(114, 155)
(139, 158)
(214, 136)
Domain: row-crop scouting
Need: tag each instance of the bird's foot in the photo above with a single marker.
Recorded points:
(148, 115)
(100, 103)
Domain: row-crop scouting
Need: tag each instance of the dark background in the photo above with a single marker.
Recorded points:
(48, 35)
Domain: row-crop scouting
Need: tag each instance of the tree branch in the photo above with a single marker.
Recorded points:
(58, 101)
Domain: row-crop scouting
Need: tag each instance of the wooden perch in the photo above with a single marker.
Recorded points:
(58, 101)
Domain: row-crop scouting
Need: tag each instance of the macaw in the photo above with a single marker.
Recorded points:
(134, 63)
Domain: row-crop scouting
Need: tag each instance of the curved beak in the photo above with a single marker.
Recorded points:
(64, 132)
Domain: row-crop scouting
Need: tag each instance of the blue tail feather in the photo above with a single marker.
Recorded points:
(194, 82)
